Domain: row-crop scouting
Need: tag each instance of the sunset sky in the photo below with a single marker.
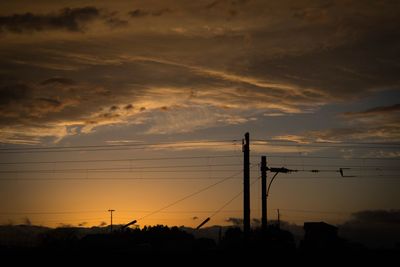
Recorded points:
(135, 105)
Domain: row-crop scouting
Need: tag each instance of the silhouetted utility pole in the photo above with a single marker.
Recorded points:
(246, 184)
(264, 192)
(111, 225)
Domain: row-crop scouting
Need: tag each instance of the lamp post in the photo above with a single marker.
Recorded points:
(264, 169)
(111, 215)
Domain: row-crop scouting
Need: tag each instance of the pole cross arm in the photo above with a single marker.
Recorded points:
(343, 175)
(282, 170)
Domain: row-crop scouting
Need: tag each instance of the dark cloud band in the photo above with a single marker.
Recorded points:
(67, 19)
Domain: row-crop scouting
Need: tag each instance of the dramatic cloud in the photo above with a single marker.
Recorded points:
(197, 65)
(68, 19)
(151, 95)
(55, 108)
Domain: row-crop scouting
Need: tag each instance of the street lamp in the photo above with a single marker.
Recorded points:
(111, 213)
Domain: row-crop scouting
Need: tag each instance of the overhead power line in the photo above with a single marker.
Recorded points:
(38, 179)
(140, 145)
(124, 169)
(32, 213)
(377, 177)
(330, 143)
(326, 157)
(114, 147)
(316, 211)
(121, 160)
(50, 212)
(17, 179)
(117, 171)
(360, 167)
(190, 195)
(119, 145)
(228, 141)
(232, 199)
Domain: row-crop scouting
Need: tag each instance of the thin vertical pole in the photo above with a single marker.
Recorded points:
(111, 214)
(246, 184)
(264, 192)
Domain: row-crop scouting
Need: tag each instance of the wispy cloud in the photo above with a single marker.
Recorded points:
(165, 104)
(377, 124)
(391, 110)
(123, 141)
(138, 13)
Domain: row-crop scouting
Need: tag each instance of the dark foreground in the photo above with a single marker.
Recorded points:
(173, 245)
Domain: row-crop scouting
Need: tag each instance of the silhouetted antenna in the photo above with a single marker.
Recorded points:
(128, 224)
(203, 223)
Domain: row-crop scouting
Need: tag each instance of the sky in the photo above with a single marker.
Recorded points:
(141, 106)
